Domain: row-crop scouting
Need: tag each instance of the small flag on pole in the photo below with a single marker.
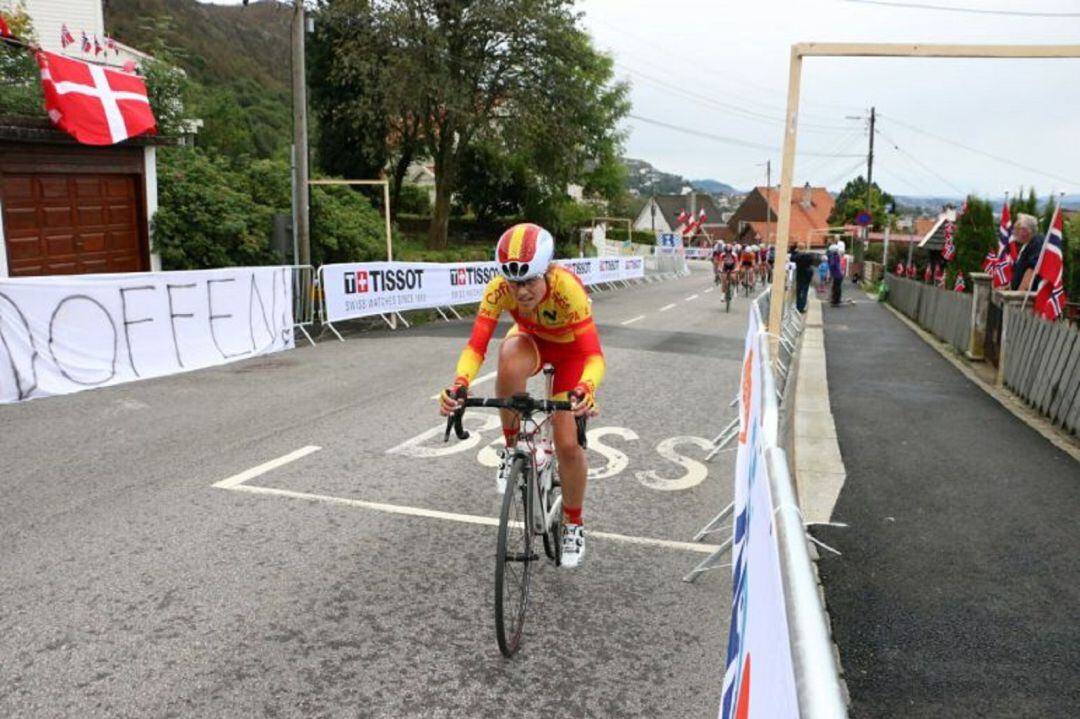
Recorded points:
(949, 250)
(1050, 299)
(86, 46)
(66, 38)
(97, 46)
(959, 286)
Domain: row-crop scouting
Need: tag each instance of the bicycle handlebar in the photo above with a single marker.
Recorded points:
(520, 403)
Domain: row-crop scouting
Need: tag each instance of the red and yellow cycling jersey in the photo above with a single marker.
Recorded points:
(561, 324)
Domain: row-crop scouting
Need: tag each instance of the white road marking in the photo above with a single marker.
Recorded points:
(665, 308)
(448, 516)
(709, 290)
(478, 380)
(237, 479)
(632, 320)
(691, 297)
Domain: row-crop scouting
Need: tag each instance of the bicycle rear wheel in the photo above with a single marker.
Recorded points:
(513, 561)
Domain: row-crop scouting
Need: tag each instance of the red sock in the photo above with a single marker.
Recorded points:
(510, 437)
(572, 514)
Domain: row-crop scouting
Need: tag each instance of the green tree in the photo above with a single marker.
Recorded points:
(976, 234)
(205, 216)
(852, 200)
(20, 78)
(450, 73)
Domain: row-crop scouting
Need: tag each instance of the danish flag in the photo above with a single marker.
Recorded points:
(1050, 299)
(93, 104)
(681, 219)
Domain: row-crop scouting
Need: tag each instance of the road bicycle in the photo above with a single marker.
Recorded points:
(728, 280)
(531, 505)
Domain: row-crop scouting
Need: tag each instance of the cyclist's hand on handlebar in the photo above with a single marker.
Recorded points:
(582, 402)
(452, 398)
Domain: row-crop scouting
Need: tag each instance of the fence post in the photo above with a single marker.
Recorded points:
(980, 307)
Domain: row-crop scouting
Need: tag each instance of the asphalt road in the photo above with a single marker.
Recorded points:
(958, 592)
(354, 581)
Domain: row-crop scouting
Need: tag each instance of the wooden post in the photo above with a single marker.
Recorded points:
(386, 213)
(783, 224)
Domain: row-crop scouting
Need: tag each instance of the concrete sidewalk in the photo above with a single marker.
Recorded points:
(958, 592)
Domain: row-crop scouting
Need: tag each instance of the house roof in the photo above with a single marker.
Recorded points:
(934, 238)
(808, 220)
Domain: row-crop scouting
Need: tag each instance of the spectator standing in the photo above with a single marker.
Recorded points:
(836, 273)
(804, 273)
(1025, 234)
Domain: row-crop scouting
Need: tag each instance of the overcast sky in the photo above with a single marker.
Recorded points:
(720, 67)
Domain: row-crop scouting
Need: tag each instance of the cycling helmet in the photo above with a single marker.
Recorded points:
(524, 251)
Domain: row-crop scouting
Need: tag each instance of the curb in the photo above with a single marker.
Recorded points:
(819, 467)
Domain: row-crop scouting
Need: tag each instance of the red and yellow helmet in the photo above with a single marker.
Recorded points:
(524, 251)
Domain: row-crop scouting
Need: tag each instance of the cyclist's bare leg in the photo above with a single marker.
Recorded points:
(519, 359)
(573, 464)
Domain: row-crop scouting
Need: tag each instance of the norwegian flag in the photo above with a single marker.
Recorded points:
(1050, 299)
(66, 38)
(939, 278)
(989, 261)
(949, 250)
(912, 271)
(94, 104)
(86, 46)
(959, 286)
(97, 47)
(1007, 251)
(926, 275)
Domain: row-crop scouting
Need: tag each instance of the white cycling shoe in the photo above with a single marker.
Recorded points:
(573, 545)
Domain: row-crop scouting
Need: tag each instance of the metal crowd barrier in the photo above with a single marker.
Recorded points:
(304, 298)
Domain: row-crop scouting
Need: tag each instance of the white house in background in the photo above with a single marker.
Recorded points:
(50, 16)
(67, 208)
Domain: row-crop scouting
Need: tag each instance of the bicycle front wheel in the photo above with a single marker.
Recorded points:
(513, 561)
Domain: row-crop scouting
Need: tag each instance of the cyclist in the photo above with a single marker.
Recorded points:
(746, 262)
(717, 255)
(770, 259)
(728, 264)
(552, 324)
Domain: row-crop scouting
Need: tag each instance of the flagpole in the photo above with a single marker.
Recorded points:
(1042, 251)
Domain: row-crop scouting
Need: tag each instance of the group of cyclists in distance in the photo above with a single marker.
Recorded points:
(747, 265)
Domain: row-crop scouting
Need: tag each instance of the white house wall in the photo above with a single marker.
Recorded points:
(49, 16)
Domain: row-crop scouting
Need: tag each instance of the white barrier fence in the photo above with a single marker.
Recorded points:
(778, 627)
(66, 333)
(367, 289)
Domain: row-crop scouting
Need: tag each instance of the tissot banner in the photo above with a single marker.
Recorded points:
(363, 289)
(760, 679)
(64, 333)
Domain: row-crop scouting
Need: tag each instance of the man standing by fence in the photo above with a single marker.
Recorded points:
(804, 273)
(1025, 234)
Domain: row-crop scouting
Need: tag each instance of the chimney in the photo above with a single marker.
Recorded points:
(807, 196)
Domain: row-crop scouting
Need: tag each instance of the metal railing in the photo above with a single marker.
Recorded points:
(817, 675)
(305, 295)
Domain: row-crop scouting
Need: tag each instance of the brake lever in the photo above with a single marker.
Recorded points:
(454, 420)
(582, 439)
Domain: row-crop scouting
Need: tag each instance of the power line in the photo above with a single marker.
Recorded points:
(919, 163)
(970, 10)
(977, 151)
(723, 139)
(666, 86)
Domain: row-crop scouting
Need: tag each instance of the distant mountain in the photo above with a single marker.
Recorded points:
(714, 187)
(644, 179)
(933, 204)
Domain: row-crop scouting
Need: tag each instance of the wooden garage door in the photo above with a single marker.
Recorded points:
(62, 223)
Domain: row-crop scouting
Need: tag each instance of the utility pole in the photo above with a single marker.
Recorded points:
(300, 142)
(860, 247)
